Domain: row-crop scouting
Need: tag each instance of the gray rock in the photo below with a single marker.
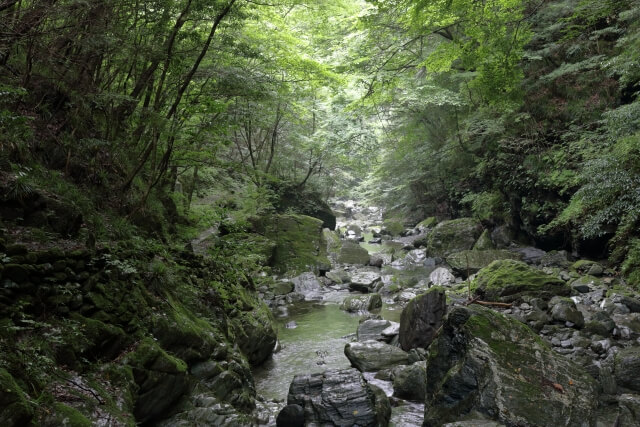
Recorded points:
(338, 276)
(421, 319)
(502, 236)
(490, 363)
(410, 382)
(392, 330)
(353, 253)
(564, 310)
(371, 356)
(627, 367)
(364, 281)
(338, 397)
(453, 236)
(361, 303)
(291, 416)
(530, 255)
(308, 285)
(441, 276)
(555, 259)
(372, 330)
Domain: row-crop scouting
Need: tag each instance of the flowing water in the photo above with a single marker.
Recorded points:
(312, 336)
(317, 343)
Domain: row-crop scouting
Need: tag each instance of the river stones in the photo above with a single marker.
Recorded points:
(509, 280)
(421, 319)
(338, 397)
(564, 310)
(364, 281)
(361, 303)
(371, 356)
(441, 276)
(490, 363)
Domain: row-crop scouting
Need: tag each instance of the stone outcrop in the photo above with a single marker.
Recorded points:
(486, 362)
(361, 303)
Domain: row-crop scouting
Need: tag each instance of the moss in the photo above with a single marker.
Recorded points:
(509, 280)
(484, 242)
(582, 265)
(14, 408)
(472, 261)
(428, 222)
(453, 236)
(251, 244)
(66, 416)
(150, 355)
(393, 227)
(300, 245)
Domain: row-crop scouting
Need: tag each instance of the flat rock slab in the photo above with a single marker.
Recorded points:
(371, 356)
(372, 329)
(364, 281)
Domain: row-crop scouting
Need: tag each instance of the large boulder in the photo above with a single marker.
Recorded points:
(486, 362)
(421, 319)
(353, 253)
(339, 397)
(371, 356)
(470, 262)
(410, 382)
(299, 243)
(626, 368)
(509, 280)
(453, 236)
(254, 333)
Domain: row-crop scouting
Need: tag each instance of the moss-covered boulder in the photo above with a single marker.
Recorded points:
(473, 261)
(353, 253)
(509, 280)
(484, 242)
(14, 408)
(584, 266)
(626, 368)
(254, 333)
(490, 363)
(161, 379)
(300, 245)
(453, 236)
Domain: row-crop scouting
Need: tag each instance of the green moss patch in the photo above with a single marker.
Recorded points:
(509, 280)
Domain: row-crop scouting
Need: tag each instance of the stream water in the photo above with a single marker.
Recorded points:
(316, 344)
(313, 335)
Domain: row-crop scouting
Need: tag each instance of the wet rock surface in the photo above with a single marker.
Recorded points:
(336, 397)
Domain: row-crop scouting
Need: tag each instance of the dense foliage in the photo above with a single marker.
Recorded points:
(522, 112)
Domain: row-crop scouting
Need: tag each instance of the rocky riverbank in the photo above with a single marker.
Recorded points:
(547, 339)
